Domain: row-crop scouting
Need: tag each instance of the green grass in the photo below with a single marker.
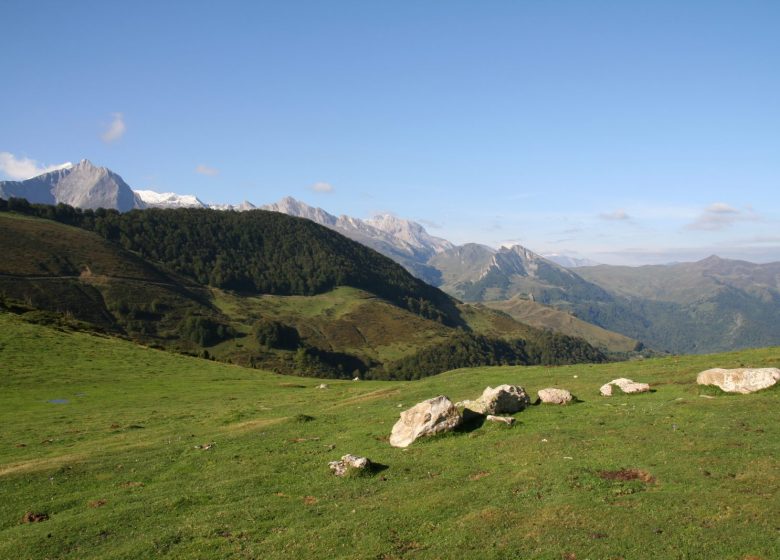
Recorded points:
(128, 435)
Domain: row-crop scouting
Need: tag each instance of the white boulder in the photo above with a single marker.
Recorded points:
(740, 380)
(429, 417)
(555, 396)
(626, 385)
(504, 399)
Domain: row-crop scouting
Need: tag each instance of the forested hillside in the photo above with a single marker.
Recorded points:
(257, 288)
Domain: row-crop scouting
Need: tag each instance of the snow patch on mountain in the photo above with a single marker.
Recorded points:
(154, 199)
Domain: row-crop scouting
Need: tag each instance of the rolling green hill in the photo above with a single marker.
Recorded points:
(256, 288)
(106, 439)
(546, 317)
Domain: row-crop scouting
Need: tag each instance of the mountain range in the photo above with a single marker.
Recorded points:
(712, 305)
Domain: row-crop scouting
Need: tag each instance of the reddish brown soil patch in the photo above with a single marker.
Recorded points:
(310, 500)
(478, 475)
(21, 445)
(97, 503)
(32, 517)
(625, 475)
(132, 484)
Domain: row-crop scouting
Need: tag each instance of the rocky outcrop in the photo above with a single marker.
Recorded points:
(740, 380)
(504, 399)
(83, 185)
(429, 417)
(626, 385)
(555, 396)
(349, 463)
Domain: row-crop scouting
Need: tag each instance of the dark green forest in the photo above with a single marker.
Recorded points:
(255, 252)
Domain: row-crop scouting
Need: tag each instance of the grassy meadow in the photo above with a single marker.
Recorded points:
(111, 442)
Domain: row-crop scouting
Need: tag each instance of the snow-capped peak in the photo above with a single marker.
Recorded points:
(153, 199)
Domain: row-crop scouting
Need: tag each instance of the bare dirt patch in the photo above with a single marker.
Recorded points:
(34, 517)
(625, 475)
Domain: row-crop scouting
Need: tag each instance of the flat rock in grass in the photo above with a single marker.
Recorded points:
(508, 420)
(349, 463)
(626, 385)
(740, 380)
(504, 399)
(555, 396)
(429, 417)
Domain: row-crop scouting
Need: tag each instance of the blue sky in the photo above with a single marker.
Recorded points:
(627, 132)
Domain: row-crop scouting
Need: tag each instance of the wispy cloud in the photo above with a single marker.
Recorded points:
(719, 216)
(115, 130)
(429, 223)
(322, 187)
(25, 168)
(619, 215)
(206, 170)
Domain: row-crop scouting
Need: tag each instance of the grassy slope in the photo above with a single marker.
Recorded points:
(264, 489)
(543, 316)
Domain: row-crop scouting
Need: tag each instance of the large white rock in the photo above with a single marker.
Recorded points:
(555, 396)
(504, 399)
(740, 380)
(429, 417)
(626, 385)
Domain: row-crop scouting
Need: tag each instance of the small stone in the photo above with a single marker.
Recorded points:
(322, 386)
(508, 420)
(349, 462)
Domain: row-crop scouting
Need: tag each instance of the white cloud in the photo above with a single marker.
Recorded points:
(322, 187)
(115, 130)
(206, 170)
(719, 216)
(25, 168)
(616, 216)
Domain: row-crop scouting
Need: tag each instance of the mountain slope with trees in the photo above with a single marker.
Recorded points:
(257, 288)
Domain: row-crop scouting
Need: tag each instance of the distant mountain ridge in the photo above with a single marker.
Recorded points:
(403, 241)
(83, 185)
(715, 304)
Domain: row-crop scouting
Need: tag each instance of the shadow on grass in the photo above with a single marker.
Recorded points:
(574, 400)
(377, 468)
(471, 421)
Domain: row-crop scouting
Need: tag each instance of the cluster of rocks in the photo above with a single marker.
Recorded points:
(439, 414)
